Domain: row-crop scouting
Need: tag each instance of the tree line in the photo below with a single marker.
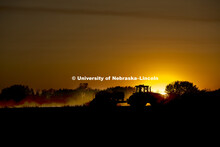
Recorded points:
(180, 94)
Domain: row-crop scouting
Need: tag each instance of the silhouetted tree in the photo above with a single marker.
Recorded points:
(181, 87)
(83, 86)
(16, 93)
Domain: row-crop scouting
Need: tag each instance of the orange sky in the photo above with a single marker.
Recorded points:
(44, 43)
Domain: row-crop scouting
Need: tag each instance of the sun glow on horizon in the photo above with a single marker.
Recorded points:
(162, 92)
(159, 89)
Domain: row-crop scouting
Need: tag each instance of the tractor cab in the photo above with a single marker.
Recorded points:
(142, 89)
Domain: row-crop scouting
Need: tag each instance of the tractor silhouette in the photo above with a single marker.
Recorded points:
(142, 97)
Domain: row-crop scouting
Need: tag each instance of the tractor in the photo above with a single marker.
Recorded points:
(141, 97)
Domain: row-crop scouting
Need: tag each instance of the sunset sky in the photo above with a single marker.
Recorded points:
(43, 43)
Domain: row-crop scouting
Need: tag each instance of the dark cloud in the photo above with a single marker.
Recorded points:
(135, 14)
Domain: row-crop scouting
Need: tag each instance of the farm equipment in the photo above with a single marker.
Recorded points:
(142, 97)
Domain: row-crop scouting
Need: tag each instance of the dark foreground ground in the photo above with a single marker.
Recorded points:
(67, 116)
(115, 111)
(102, 121)
(75, 110)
